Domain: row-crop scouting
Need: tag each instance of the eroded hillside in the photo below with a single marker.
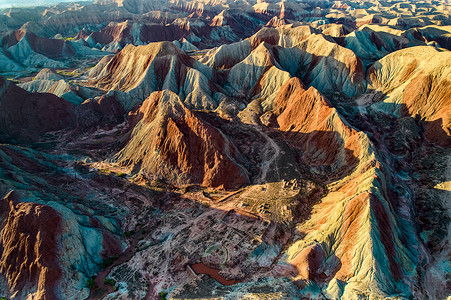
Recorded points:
(225, 150)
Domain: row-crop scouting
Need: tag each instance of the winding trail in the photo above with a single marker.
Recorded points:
(102, 289)
(270, 143)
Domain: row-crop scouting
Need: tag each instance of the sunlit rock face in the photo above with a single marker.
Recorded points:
(217, 149)
(170, 141)
(29, 247)
(49, 245)
(329, 140)
(138, 71)
(416, 82)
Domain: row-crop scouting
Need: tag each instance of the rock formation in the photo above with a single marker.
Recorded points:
(139, 71)
(419, 87)
(225, 149)
(27, 116)
(170, 141)
(29, 248)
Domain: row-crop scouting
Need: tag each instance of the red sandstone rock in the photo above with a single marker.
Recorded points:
(170, 141)
(313, 125)
(29, 248)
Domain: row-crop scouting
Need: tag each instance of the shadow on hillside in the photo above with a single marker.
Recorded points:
(398, 124)
(235, 231)
(302, 155)
(411, 145)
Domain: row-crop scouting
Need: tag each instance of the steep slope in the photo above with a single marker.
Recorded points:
(282, 9)
(276, 22)
(29, 247)
(320, 62)
(257, 76)
(241, 23)
(53, 238)
(115, 36)
(372, 42)
(308, 160)
(335, 30)
(27, 116)
(170, 141)
(360, 239)
(48, 74)
(314, 58)
(69, 19)
(356, 241)
(7, 63)
(439, 34)
(185, 45)
(285, 37)
(416, 82)
(226, 56)
(47, 81)
(313, 125)
(59, 88)
(331, 68)
(29, 50)
(138, 71)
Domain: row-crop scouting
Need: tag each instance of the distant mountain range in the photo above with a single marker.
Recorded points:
(12, 3)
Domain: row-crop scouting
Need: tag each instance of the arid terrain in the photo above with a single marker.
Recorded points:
(225, 149)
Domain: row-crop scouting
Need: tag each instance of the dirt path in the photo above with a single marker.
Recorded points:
(229, 196)
(270, 144)
(101, 288)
